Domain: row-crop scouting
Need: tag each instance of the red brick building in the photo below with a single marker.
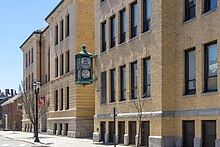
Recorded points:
(12, 113)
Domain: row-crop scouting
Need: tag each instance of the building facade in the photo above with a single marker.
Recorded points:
(70, 107)
(35, 58)
(163, 55)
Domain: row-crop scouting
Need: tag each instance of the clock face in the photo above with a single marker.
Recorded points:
(85, 74)
(86, 63)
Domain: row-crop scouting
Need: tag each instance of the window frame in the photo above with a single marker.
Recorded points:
(133, 76)
(113, 29)
(145, 78)
(188, 9)
(113, 85)
(67, 25)
(187, 90)
(103, 37)
(146, 19)
(123, 24)
(206, 65)
(122, 86)
(61, 30)
(103, 87)
(207, 5)
(133, 27)
(56, 35)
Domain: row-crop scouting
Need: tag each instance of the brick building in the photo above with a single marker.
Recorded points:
(71, 107)
(12, 113)
(166, 53)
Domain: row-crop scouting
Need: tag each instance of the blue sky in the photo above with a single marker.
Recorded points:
(19, 18)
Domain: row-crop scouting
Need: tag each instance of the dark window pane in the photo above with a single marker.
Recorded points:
(211, 67)
(190, 9)
(113, 31)
(134, 20)
(146, 76)
(103, 45)
(113, 90)
(123, 26)
(67, 98)
(56, 35)
(190, 72)
(134, 82)
(209, 5)
(123, 83)
(67, 25)
(146, 15)
(103, 87)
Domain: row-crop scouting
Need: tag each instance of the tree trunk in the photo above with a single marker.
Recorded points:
(139, 133)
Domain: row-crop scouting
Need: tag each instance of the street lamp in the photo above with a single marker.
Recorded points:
(36, 86)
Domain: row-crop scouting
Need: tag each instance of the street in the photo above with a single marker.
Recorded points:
(6, 142)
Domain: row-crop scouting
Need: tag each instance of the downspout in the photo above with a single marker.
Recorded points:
(40, 44)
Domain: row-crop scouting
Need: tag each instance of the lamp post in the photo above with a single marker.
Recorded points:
(36, 86)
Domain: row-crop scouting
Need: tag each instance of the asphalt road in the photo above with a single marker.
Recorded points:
(5, 142)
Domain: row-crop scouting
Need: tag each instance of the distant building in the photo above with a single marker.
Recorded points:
(9, 115)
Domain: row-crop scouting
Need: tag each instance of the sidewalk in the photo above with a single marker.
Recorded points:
(50, 140)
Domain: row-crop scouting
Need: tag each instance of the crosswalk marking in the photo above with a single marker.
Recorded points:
(8, 145)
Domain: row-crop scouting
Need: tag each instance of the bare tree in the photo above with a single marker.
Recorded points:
(138, 105)
(29, 104)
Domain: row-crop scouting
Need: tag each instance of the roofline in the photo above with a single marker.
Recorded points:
(35, 32)
(54, 9)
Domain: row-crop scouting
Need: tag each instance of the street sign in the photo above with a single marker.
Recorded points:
(41, 101)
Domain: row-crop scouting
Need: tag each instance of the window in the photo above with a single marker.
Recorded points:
(67, 25)
(113, 82)
(61, 30)
(56, 34)
(146, 15)
(211, 67)
(190, 71)
(56, 101)
(113, 31)
(29, 58)
(103, 45)
(188, 133)
(208, 133)
(26, 62)
(134, 20)
(32, 55)
(190, 9)
(103, 87)
(48, 64)
(56, 67)
(19, 107)
(61, 99)
(67, 61)
(122, 26)
(67, 98)
(123, 83)
(134, 82)
(209, 5)
(146, 78)
(61, 65)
